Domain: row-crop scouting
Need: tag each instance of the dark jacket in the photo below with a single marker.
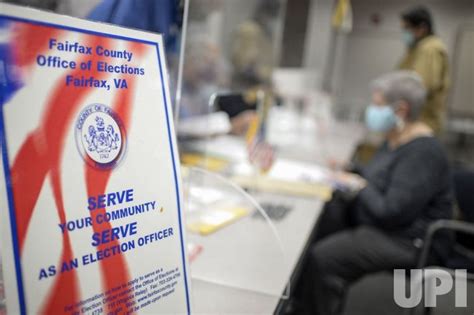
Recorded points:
(408, 188)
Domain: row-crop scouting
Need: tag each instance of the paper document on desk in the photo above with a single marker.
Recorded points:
(204, 125)
(287, 177)
(298, 172)
(210, 207)
(289, 170)
(210, 221)
(227, 147)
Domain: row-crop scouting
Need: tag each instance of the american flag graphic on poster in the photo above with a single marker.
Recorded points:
(90, 219)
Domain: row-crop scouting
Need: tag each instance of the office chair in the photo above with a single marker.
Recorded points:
(462, 254)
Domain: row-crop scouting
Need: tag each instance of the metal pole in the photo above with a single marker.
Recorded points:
(179, 81)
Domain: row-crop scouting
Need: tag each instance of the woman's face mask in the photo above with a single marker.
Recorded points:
(380, 118)
(408, 38)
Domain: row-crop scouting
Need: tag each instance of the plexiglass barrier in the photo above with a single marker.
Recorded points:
(231, 240)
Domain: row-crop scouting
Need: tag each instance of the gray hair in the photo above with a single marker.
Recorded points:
(402, 85)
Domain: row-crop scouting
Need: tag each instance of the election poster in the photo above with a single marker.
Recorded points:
(91, 218)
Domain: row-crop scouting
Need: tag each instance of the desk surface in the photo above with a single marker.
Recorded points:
(240, 269)
(247, 255)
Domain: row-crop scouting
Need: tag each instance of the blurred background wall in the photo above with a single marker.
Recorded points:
(374, 46)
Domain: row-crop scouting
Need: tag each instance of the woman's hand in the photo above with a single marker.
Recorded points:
(261, 154)
(241, 122)
(349, 181)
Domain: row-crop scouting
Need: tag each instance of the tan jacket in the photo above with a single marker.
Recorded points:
(252, 56)
(429, 59)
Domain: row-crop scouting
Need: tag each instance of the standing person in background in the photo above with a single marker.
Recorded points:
(253, 60)
(426, 54)
(252, 48)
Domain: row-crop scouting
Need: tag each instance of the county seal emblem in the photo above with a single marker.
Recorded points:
(100, 136)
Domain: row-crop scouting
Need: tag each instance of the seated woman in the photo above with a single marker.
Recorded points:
(398, 194)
